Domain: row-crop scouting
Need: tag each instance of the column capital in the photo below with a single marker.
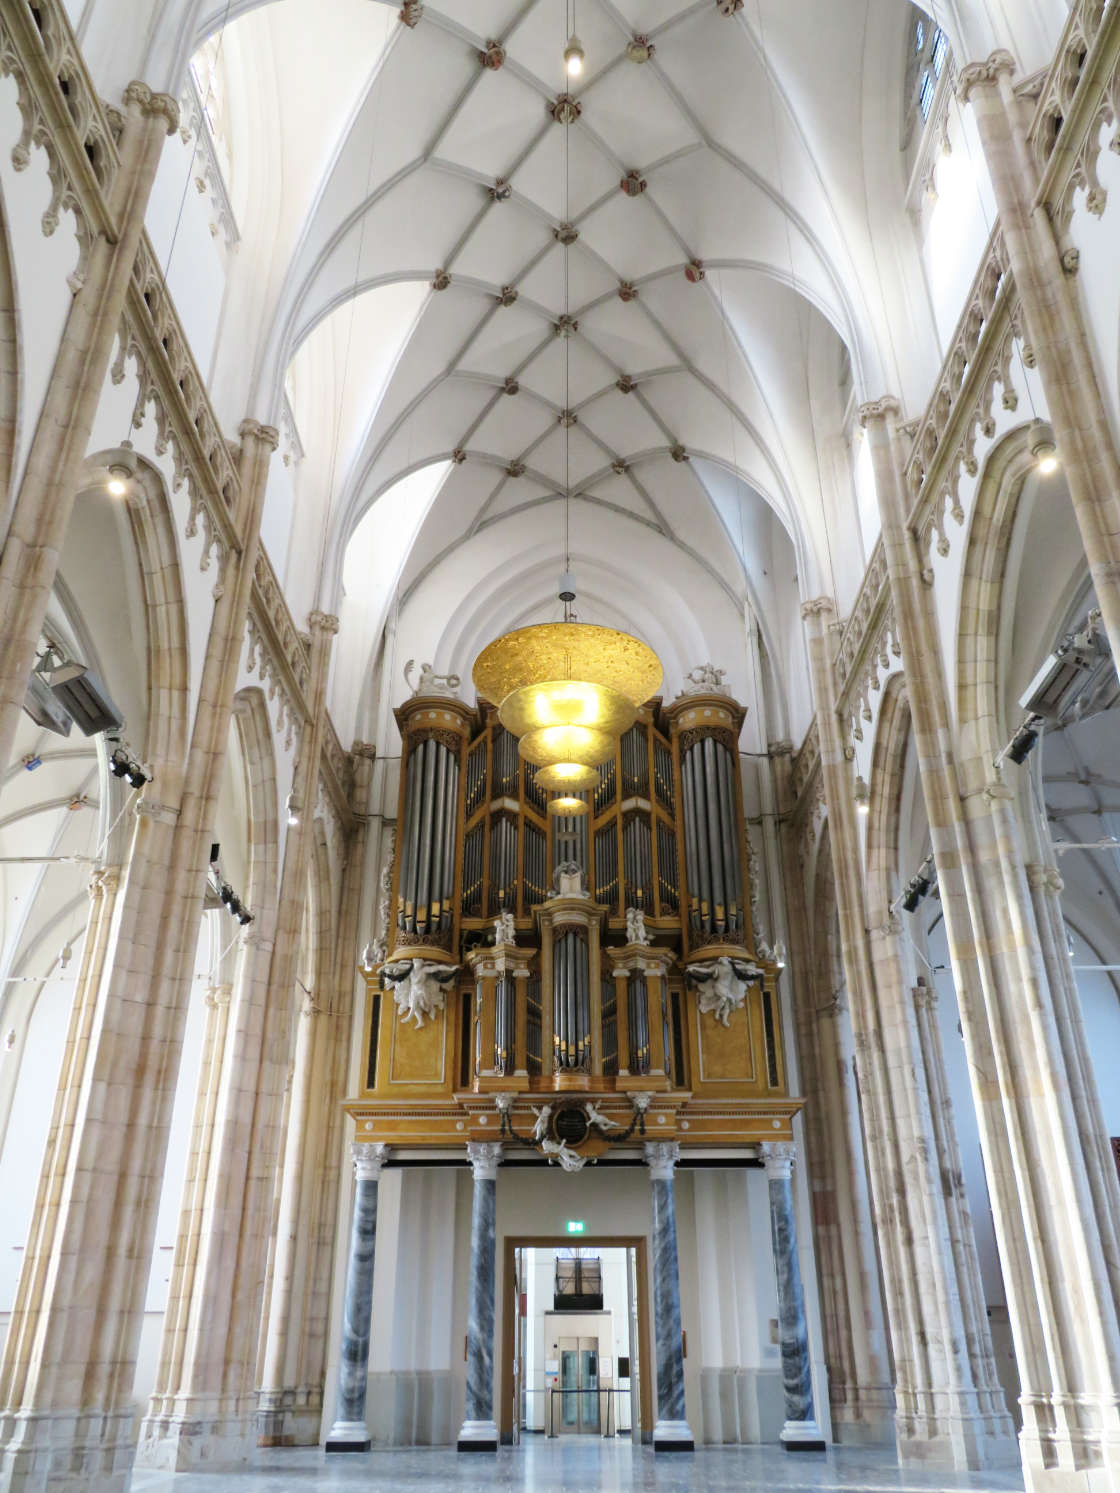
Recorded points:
(364, 749)
(783, 748)
(154, 105)
(925, 996)
(368, 1158)
(818, 606)
(977, 74)
(661, 1157)
(104, 880)
(322, 622)
(878, 409)
(268, 435)
(219, 995)
(1039, 874)
(778, 1157)
(485, 1157)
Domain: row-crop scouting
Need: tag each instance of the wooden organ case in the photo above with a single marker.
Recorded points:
(592, 958)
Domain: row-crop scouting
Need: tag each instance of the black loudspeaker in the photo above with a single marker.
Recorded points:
(624, 1368)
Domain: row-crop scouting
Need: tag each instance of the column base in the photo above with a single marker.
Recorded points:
(478, 1436)
(347, 1436)
(803, 1436)
(61, 1452)
(673, 1436)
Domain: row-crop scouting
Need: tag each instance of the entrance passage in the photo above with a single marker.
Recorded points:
(575, 1315)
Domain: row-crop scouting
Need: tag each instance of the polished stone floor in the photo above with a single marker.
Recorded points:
(577, 1466)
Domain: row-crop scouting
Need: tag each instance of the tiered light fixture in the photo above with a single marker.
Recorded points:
(567, 690)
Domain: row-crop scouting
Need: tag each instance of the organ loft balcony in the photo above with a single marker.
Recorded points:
(543, 967)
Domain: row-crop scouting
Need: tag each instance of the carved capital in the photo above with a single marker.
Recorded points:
(368, 1158)
(925, 997)
(150, 808)
(778, 1157)
(1039, 875)
(485, 1157)
(817, 606)
(322, 622)
(661, 1156)
(153, 105)
(783, 748)
(878, 409)
(364, 749)
(219, 995)
(104, 881)
(996, 788)
(268, 435)
(983, 74)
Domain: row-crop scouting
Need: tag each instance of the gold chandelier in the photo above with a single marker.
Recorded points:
(567, 690)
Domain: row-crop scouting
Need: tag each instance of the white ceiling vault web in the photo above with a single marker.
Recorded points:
(719, 308)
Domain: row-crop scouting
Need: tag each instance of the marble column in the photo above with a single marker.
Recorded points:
(479, 1432)
(671, 1432)
(800, 1432)
(349, 1434)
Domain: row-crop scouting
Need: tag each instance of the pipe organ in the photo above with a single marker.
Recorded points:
(607, 955)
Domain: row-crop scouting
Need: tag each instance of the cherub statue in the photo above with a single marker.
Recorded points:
(596, 1117)
(705, 679)
(636, 926)
(540, 1129)
(429, 682)
(560, 1151)
(504, 929)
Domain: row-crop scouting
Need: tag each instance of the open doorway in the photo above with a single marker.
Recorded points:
(575, 1325)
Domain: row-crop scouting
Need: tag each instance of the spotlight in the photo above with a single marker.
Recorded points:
(862, 796)
(918, 885)
(780, 954)
(1043, 449)
(292, 806)
(234, 905)
(80, 692)
(138, 775)
(244, 917)
(118, 480)
(118, 763)
(225, 893)
(1023, 742)
(32, 761)
(574, 56)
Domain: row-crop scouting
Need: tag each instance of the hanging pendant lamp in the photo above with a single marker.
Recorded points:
(568, 690)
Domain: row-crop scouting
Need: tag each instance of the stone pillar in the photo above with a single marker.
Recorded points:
(800, 1432)
(479, 1432)
(349, 1434)
(41, 515)
(70, 1354)
(861, 1399)
(1055, 327)
(1058, 1250)
(672, 1432)
(945, 1412)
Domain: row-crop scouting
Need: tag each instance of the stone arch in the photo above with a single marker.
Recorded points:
(9, 368)
(888, 762)
(251, 721)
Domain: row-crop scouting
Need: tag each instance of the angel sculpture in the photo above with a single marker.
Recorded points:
(420, 986)
(559, 1150)
(722, 984)
(636, 926)
(596, 1117)
(505, 930)
(540, 1129)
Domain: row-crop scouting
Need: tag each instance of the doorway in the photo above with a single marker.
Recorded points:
(575, 1340)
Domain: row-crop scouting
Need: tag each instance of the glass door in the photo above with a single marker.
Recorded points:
(579, 1386)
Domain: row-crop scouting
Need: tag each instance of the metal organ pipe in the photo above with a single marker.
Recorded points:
(703, 862)
(711, 809)
(729, 842)
(439, 848)
(427, 821)
(690, 862)
(450, 824)
(405, 910)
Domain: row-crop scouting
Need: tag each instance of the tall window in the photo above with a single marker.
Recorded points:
(928, 56)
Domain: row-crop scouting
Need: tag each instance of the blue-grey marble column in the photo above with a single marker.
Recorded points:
(672, 1432)
(800, 1432)
(479, 1433)
(349, 1434)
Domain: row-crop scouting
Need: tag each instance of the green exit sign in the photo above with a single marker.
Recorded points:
(576, 1225)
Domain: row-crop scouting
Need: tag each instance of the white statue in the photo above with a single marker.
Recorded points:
(371, 957)
(722, 985)
(540, 1129)
(569, 880)
(706, 679)
(504, 930)
(636, 926)
(429, 682)
(419, 986)
(596, 1117)
(559, 1150)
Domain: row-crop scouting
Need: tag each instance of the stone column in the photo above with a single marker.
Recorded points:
(41, 515)
(479, 1432)
(1058, 1250)
(1055, 327)
(672, 1432)
(861, 1399)
(349, 1434)
(800, 1432)
(70, 1355)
